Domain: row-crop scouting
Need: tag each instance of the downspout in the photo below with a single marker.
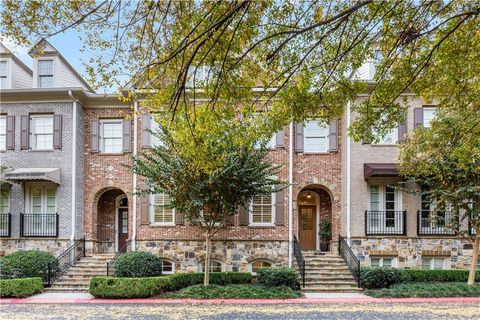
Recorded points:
(74, 166)
(135, 152)
(349, 182)
(290, 194)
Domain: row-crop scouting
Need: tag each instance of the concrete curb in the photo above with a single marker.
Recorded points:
(237, 301)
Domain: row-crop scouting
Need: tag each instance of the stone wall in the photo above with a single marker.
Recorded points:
(234, 255)
(410, 250)
(54, 246)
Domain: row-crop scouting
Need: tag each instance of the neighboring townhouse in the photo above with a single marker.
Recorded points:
(69, 150)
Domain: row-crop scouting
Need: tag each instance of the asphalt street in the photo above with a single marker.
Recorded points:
(244, 312)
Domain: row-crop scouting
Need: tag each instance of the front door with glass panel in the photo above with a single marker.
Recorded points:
(122, 227)
(307, 227)
(384, 207)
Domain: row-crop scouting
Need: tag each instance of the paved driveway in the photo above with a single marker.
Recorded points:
(244, 312)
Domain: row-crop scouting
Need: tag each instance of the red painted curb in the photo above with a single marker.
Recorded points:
(240, 301)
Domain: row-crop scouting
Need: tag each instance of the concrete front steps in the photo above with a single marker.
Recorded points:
(77, 278)
(326, 272)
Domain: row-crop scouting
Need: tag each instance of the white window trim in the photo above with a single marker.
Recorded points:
(9, 74)
(101, 136)
(201, 265)
(398, 203)
(382, 142)
(4, 118)
(54, 64)
(432, 262)
(32, 130)
(250, 265)
(9, 191)
(434, 109)
(44, 186)
(154, 127)
(305, 138)
(262, 224)
(173, 266)
(394, 261)
(152, 214)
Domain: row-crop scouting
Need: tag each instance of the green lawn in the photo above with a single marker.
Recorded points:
(427, 290)
(234, 291)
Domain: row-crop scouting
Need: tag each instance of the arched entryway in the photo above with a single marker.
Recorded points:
(112, 221)
(314, 207)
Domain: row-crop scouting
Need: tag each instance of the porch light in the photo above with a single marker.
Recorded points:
(309, 196)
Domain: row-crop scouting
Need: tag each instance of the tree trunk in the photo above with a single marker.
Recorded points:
(206, 279)
(473, 266)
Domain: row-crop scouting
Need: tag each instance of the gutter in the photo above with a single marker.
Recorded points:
(74, 165)
(290, 195)
(135, 152)
(349, 180)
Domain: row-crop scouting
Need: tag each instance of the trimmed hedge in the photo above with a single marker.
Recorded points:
(26, 264)
(234, 291)
(278, 276)
(20, 288)
(124, 288)
(138, 264)
(377, 278)
(427, 290)
(115, 288)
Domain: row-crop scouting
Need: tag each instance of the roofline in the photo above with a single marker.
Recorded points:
(18, 61)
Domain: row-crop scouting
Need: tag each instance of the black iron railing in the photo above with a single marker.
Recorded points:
(297, 252)
(64, 261)
(5, 225)
(126, 248)
(350, 258)
(385, 223)
(434, 225)
(39, 224)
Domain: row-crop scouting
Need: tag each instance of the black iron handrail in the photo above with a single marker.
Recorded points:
(438, 226)
(64, 261)
(388, 222)
(297, 252)
(350, 258)
(122, 250)
(5, 225)
(39, 225)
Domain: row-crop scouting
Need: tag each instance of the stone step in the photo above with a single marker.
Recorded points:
(70, 284)
(66, 289)
(88, 267)
(86, 274)
(73, 281)
(330, 283)
(330, 289)
(329, 277)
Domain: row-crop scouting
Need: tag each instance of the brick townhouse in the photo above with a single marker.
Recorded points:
(67, 147)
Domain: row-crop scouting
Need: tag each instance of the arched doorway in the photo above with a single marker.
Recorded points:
(314, 207)
(112, 220)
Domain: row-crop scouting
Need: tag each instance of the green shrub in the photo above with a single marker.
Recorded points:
(27, 264)
(234, 291)
(138, 264)
(20, 288)
(183, 280)
(278, 276)
(375, 278)
(423, 275)
(118, 288)
(427, 290)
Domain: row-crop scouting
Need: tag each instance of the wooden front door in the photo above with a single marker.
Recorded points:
(122, 227)
(308, 227)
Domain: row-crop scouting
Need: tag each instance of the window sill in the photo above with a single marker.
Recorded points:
(157, 225)
(316, 152)
(112, 154)
(40, 150)
(259, 225)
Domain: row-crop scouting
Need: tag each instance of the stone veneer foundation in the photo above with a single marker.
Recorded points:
(234, 255)
(409, 251)
(54, 246)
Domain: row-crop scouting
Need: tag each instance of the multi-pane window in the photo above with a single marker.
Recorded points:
(315, 136)
(428, 115)
(255, 265)
(383, 213)
(3, 132)
(3, 74)
(125, 222)
(389, 206)
(42, 199)
(215, 266)
(261, 209)
(167, 267)
(162, 212)
(427, 206)
(45, 73)
(386, 262)
(155, 140)
(390, 137)
(434, 263)
(111, 136)
(42, 132)
(375, 205)
(4, 197)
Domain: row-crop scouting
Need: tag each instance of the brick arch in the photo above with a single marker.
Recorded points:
(213, 256)
(310, 185)
(263, 256)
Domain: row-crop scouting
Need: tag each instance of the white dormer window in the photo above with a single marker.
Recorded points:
(45, 73)
(3, 74)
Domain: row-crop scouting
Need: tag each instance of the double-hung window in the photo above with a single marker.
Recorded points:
(162, 211)
(257, 264)
(215, 266)
(434, 263)
(262, 210)
(315, 136)
(111, 136)
(155, 127)
(3, 132)
(385, 262)
(168, 267)
(3, 74)
(428, 115)
(41, 130)
(390, 137)
(45, 73)
(384, 215)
